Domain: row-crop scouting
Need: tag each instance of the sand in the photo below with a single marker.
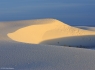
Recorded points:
(87, 28)
(18, 54)
(53, 32)
(43, 57)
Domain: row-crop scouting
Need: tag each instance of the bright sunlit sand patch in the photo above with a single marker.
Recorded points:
(46, 29)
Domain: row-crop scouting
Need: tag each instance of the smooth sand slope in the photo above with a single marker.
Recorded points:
(19, 56)
(53, 32)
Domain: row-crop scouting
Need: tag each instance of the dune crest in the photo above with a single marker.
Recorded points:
(46, 29)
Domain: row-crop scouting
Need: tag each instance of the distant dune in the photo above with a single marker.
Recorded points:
(51, 29)
(87, 28)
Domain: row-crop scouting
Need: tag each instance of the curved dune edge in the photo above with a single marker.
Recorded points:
(46, 29)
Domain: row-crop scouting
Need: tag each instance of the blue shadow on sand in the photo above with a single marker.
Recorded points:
(85, 41)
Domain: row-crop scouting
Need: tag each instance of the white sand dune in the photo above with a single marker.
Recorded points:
(87, 28)
(17, 54)
(52, 29)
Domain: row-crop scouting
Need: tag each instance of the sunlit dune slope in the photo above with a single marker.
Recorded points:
(46, 29)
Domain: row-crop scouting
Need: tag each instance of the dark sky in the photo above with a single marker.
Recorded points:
(72, 12)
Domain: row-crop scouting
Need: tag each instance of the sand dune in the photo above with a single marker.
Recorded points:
(48, 29)
(87, 28)
(15, 55)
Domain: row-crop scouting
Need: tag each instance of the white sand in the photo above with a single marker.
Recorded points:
(87, 28)
(41, 57)
(51, 31)
(15, 55)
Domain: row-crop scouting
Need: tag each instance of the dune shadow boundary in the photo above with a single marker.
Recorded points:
(86, 41)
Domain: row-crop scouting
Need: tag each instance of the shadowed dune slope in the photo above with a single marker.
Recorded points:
(47, 29)
(85, 41)
(21, 56)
